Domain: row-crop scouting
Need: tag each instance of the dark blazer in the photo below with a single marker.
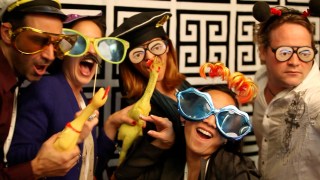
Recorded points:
(44, 109)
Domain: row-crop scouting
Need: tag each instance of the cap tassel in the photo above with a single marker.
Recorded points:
(162, 21)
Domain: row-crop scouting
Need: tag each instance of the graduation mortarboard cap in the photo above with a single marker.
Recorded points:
(142, 27)
(9, 7)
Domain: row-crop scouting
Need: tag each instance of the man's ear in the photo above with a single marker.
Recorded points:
(262, 54)
(5, 32)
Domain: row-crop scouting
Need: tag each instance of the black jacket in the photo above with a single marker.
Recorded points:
(150, 163)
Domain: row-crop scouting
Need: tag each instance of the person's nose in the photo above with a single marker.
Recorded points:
(211, 121)
(91, 48)
(294, 60)
(48, 53)
(148, 55)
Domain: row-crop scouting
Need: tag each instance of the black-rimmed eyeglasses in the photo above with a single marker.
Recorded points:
(156, 47)
(284, 53)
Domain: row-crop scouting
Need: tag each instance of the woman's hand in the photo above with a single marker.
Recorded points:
(164, 134)
(114, 121)
(88, 125)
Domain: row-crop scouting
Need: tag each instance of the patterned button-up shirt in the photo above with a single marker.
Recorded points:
(288, 130)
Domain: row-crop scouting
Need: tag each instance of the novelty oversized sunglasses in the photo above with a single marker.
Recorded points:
(110, 49)
(156, 47)
(194, 105)
(28, 40)
(284, 53)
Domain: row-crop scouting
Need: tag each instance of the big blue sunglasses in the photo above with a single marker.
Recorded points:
(194, 105)
(110, 49)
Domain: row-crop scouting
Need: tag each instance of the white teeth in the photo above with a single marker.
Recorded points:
(89, 61)
(205, 132)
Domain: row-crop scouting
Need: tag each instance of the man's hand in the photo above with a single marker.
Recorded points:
(164, 134)
(51, 162)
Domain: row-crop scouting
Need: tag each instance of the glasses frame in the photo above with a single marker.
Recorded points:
(213, 111)
(295, 51)
(14, 34)
(145, 47)
(95, 42)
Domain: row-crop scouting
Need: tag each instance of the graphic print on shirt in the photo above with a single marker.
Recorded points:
(294, 132)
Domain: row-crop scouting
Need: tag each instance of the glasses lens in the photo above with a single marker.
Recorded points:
(157, 47)
(64, 45)
(193, 106)
(28, 41)
(284, 53)
(111, 50)
(136, 55)
(306, 54)
(232, 124)
(80, 45)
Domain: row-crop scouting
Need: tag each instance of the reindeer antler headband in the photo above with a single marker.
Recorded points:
(244, 87)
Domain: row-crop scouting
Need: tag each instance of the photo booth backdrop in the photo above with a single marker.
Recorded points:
(202, 31)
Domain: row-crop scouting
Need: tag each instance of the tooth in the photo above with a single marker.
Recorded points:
(89, 60)
(205, 132)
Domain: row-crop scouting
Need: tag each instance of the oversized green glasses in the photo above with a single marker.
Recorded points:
(110, 49)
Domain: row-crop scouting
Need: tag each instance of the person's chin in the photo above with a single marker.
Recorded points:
(33, 77)
(293, 82)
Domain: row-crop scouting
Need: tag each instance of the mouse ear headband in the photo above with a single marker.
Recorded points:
(262, 11)
(244, 87)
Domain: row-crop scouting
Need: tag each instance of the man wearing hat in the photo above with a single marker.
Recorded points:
(31, 38)
(58, 96)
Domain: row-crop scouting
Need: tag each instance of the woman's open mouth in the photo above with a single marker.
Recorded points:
(204, 134)
(86, 66)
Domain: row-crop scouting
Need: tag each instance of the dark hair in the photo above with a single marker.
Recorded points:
(231, 145)
(223, 88)
(16, 20)
(288, 15)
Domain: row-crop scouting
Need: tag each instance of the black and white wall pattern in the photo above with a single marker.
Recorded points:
(201, 30)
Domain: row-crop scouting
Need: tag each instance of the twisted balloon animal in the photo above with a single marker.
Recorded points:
(244, 87)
